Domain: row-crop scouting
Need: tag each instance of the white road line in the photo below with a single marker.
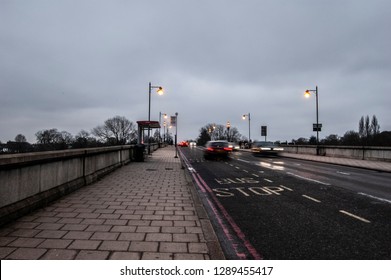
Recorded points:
(245, 171)
(255, 175)
(308, 179)
(343, 173)
(237, 167)
(267, 180)
(246, 161)
(354, 216)
(311, 198)
(286, 188)
(375, 197)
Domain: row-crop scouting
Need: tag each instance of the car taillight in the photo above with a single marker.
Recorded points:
(210, 149)
(228, 149)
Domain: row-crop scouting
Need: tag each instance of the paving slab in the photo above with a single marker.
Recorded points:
(144, 210)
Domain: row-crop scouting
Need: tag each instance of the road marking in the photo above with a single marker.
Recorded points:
(267, 180)
(375, 197)
(245, 171)
(343, 173)
(311, 198)
(354, 216)
(286, 188)
(237, 167)
(246, 161)
(248, 191)
(192, 170)
(308, 179)
(255, 175)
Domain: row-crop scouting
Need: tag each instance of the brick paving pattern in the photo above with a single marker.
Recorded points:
(144, 210)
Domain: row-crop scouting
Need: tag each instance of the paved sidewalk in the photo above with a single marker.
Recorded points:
(382, 166)
(144, 210)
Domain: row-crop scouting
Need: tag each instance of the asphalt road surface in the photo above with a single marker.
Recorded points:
(281, 208)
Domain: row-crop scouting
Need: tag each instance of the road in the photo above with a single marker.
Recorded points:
(281, 208)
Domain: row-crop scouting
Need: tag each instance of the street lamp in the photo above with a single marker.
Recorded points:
(160, 122)
(228, 127)
(307, 94)
(211, 130)
(249, 127)
(160, 92)
(176, 135)
(164, 131)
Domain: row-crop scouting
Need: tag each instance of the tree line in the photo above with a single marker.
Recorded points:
(368, 134)
(120, 131)
(114, 131)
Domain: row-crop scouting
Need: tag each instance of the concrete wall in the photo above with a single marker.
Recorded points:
(32, 180)
(364, 153)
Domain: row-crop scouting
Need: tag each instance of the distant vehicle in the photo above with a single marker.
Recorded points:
(192, 144)
(233, 146)
(183, 144)
(217, 149)
(265, 148)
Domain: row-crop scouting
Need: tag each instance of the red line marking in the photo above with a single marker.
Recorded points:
(204, 187)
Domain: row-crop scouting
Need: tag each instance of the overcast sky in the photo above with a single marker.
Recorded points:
(72, 64)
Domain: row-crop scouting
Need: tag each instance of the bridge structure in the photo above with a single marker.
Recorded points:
(99, 204)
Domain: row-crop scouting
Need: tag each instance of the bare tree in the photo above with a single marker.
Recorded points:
(48, 136)
(117, 131)
(20, 138)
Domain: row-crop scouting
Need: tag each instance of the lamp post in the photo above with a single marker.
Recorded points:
(160, 92)
(164, 131)
(228, 127)
(211, 130)
(249, 127)
(176, 135)
(307, 94)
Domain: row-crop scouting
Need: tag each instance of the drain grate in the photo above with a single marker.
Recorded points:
(151, 169)
(167, 168)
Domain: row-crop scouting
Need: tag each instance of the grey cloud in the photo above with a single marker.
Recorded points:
(216, 59)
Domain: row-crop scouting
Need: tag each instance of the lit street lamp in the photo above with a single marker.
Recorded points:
(211, 130)
(307, 94)
(160, 122)
(160, 92)
(164, 131)
(249, 127)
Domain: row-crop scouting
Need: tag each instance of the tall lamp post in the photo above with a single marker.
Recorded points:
(160, 92)
(249, 126)
(160, 122)
(211, 130)
(307, 94)
(164, 131)
(176, 135)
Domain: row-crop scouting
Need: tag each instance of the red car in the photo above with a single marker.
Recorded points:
(183, 144)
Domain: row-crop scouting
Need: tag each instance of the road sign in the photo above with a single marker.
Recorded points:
(173, 120)
(317, 127)
(263, 130)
